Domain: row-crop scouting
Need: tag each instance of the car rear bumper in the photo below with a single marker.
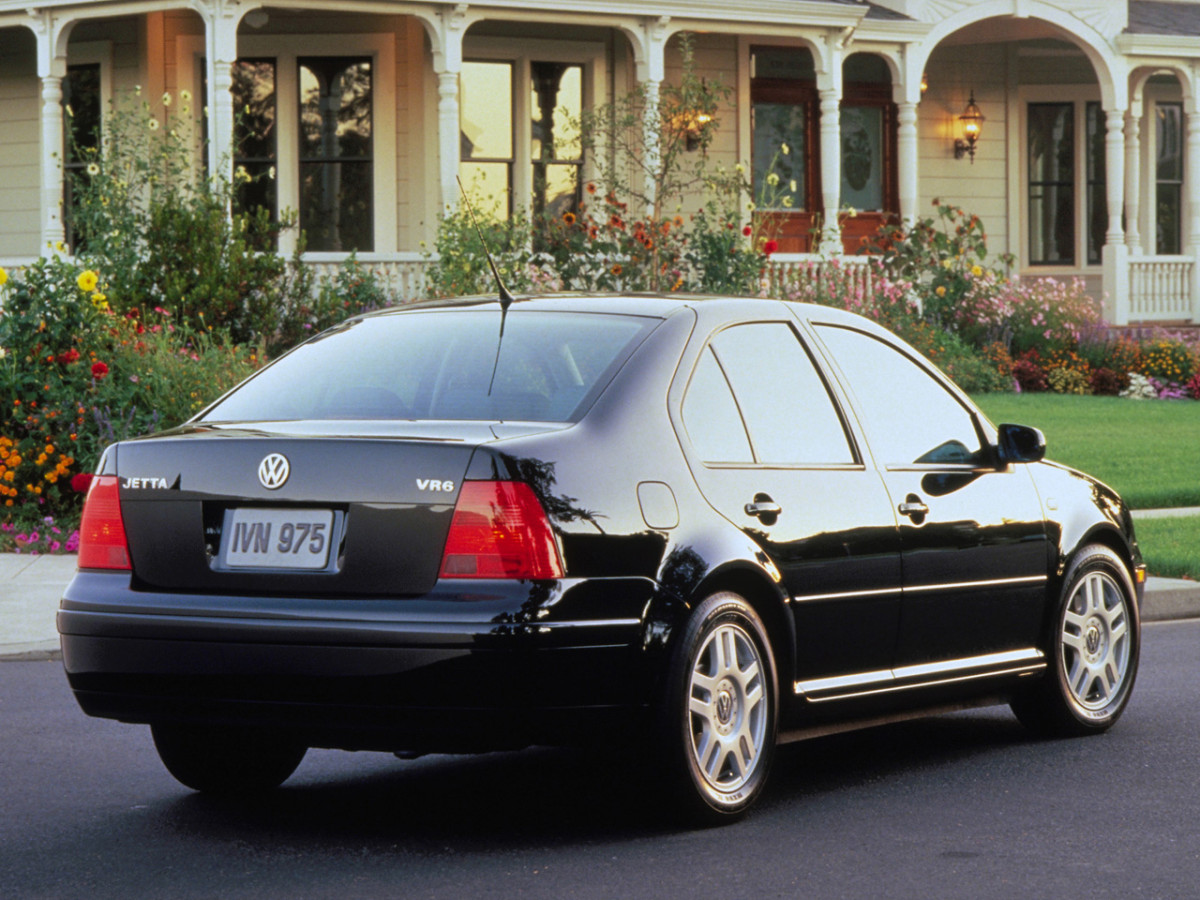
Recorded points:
(488, 664)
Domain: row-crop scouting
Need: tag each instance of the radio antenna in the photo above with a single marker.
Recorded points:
(506, 298)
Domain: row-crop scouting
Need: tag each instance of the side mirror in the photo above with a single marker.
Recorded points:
(1020, 444)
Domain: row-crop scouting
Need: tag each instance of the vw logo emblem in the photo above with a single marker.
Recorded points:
(273, 471)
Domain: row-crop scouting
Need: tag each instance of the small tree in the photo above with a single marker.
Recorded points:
(640, 143)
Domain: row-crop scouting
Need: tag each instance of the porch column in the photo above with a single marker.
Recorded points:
(651, 74)
(906, 160)
(53, 232)
(1133, 189)
(52, 68)
(831, 171)
(220, 56)
(448, 64)
(1192, 182)
(1116, 253)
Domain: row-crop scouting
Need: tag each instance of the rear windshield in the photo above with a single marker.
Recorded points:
(438, 364)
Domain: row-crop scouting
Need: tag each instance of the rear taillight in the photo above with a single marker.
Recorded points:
(500, 530)
(102, 543)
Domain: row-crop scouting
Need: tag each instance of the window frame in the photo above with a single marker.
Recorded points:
(85, 53)
(1079, 96)
(286, 50)
(1157, 183)
(590, 55)
(336, 160)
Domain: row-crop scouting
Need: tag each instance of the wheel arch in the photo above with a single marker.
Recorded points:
(750, 580)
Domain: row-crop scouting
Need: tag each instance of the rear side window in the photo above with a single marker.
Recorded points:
(438, 364)
(756, 396)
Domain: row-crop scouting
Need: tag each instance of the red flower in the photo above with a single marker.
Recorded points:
(81, 482)
(68, 356)
(99, 370)
(746, 231)
(770, 247)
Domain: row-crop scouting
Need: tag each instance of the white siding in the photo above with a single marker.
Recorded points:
(982, 187)
(20, 144)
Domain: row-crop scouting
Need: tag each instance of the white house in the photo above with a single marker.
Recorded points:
(1086, 162)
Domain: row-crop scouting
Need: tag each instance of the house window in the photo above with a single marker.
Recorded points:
(556, 150)
(336, 161)
(81, 139)
(1168, 188)
(254, 134)
(486, 133)
(1097, 191)
(1051, 184)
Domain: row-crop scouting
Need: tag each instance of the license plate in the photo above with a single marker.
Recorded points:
(277, 538)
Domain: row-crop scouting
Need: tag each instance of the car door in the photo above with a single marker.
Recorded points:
(771, 452)
(972, 537)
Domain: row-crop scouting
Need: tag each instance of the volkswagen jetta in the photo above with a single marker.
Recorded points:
(704, 526)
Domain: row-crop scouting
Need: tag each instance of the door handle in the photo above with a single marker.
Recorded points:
(760, 508)
(913, 507)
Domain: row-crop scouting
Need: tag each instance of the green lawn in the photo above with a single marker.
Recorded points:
(1148, 450)
(1171, 547)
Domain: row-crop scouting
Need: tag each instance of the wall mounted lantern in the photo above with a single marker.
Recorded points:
(972, 126)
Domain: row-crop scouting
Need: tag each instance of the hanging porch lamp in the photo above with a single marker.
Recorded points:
(972, 126)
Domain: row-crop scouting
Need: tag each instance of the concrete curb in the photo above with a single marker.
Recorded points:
(31, 586)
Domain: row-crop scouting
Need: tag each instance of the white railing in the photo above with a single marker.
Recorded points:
(402, 275)
(1160, 288)
(787, 270)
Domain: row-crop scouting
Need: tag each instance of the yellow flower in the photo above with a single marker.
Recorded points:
(166, 99)
(976, 271)
(947, 263)
(941, 290)
(786, 149)
(3, 276)
(152, 124)
(87, 281)
(772, 179)
(93, 169)
(786, 201)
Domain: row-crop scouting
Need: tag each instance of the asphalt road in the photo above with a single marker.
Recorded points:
(958, 806)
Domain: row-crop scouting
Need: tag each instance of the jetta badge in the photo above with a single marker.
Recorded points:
(273, 471)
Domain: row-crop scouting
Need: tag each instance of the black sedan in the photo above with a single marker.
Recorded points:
(699, 525)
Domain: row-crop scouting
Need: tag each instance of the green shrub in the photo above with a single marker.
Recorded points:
(81, 376)
(1064, 380)
(159, 233)
(1169, 360)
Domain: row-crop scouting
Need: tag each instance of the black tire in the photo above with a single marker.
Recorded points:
(1092, 650)
(217, 760)
(719, 715)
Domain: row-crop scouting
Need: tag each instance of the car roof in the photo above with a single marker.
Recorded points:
(639, 304)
